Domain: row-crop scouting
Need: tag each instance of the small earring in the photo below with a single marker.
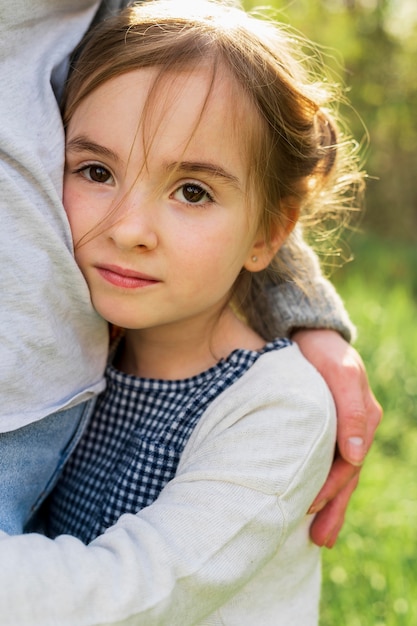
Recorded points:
(254, 258)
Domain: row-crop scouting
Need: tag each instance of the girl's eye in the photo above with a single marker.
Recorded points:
(96, 173)
(192, 193)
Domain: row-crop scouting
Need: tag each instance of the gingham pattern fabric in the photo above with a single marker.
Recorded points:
(133, 444)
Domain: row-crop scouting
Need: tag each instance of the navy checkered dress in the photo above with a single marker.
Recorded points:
(133, 443)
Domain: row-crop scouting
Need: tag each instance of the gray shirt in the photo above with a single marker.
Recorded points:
(52, 344)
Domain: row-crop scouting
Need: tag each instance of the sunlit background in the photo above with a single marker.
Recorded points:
(370, 577)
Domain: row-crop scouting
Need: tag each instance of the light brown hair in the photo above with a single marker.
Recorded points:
(297, 154)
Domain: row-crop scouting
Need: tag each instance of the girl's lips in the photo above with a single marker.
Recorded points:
(125, 278)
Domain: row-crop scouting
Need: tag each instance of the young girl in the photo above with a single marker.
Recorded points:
(195, 141)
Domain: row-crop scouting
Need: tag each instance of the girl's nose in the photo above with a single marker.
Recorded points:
(134, 225)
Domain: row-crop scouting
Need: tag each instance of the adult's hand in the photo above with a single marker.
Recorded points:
(358, 416)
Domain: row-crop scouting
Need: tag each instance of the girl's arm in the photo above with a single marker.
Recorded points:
(237, 503)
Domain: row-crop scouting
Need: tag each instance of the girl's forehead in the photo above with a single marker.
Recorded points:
(158, 89)
(195, 107)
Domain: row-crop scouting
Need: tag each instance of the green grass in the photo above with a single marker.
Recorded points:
(370, 576)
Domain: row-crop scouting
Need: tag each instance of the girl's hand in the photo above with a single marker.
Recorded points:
(358, 416)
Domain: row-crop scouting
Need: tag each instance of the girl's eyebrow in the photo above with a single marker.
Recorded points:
(205, 167)
(81, 143)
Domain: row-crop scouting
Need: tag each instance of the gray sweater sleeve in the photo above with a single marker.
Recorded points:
(314, 305)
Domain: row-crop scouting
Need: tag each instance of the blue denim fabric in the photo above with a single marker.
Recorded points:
(31, 459)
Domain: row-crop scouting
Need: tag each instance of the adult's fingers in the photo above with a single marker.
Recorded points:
(327, 524)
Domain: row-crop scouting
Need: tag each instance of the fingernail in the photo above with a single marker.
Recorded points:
(355, 450)
(316, 507)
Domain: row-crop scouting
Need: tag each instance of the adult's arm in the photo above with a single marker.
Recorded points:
(316, 319)
(359, 415)
(310, 301)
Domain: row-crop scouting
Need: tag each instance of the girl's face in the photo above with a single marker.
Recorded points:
(163, 241)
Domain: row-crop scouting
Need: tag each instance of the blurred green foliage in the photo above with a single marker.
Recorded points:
(372, 47)
(370, 578)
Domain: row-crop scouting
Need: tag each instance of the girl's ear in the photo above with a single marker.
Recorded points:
(263, 250)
